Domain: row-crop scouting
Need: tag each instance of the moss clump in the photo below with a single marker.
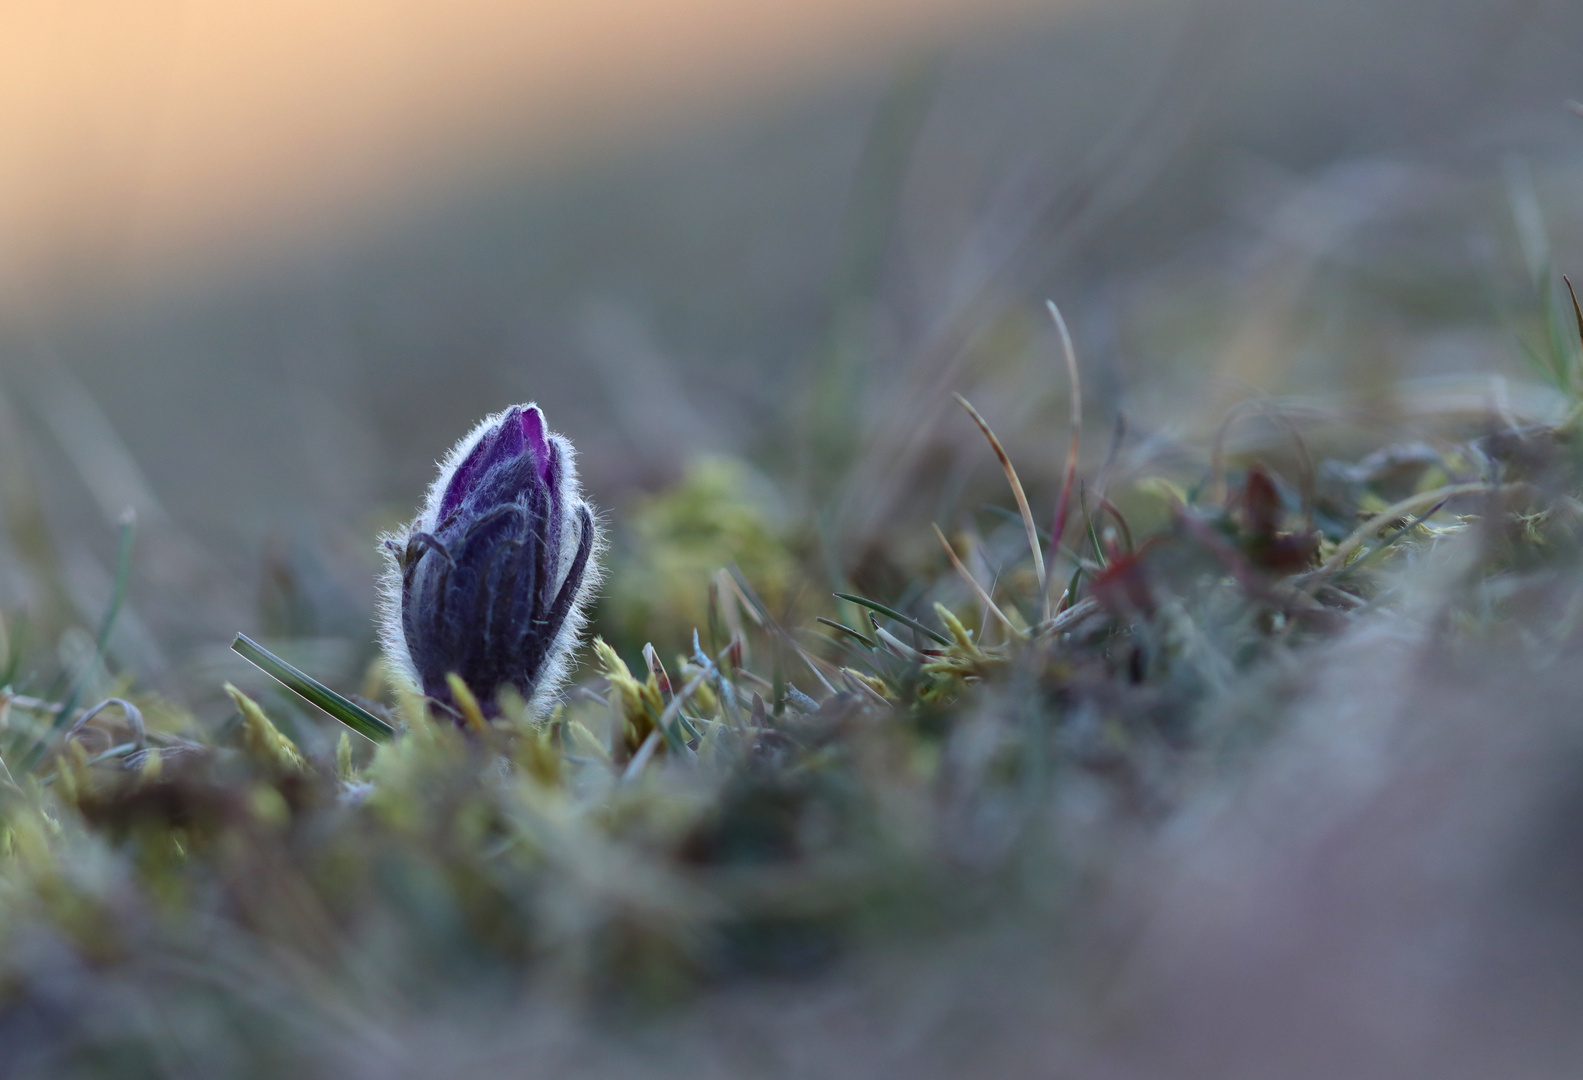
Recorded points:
(671, 546)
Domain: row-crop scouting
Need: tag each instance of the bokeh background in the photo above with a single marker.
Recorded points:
(262, 261)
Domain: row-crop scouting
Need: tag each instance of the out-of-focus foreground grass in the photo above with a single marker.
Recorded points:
(1265, 763)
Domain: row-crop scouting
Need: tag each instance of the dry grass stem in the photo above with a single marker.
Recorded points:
(1016, 490)
(978, 590)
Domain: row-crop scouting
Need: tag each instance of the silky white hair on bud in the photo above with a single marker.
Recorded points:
(404, 546)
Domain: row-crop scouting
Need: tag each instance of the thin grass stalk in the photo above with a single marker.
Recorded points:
(1016, 491)
(1576, 309)
(1063, 507)
(972, 582)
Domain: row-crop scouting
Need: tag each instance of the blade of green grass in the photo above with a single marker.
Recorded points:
(1071, 587)
(867, 641)
(891, 613)
(1088, 525)
(311, 690)
(1577, 309)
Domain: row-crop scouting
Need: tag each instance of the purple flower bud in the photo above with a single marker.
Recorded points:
(489, 582)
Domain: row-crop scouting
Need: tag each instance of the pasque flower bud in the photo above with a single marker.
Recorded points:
(490, 581)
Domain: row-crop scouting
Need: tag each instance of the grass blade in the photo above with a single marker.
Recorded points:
(311, 690)
(1069, 597)
(1576, 309)
(891, 613)
(979, 590)
(1063, 507)
(848, 631)
(1016, 490)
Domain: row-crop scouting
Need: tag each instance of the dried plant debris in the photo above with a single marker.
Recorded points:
(776, 794)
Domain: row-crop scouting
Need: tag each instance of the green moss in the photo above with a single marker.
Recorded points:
(674, 543)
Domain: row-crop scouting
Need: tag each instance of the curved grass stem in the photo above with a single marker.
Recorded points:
(1016, 490)
(979, 590)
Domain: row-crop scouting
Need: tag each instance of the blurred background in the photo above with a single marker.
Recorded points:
(261, 262)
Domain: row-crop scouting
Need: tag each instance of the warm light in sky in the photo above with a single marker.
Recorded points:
(135, 131)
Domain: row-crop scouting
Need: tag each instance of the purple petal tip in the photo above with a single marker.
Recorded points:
(532, 429)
